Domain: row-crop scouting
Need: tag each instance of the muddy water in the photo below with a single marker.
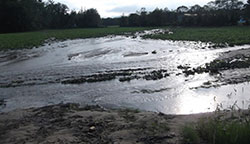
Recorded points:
(33, 78)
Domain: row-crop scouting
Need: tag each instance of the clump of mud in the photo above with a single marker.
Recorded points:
(68, 123)
(123, 76)
(2, 103)
(149, 91)
(239, 61)
(90, 78)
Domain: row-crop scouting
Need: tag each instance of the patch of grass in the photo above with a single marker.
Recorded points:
(190, 135)
(156, 127)
(225, 132)
(35, 39)
(220, 35)
(220, 130)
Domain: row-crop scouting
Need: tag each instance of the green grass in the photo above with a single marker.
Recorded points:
(230, 35)
(221, 35)
(34, 39)
(190, 135)
(219, 130)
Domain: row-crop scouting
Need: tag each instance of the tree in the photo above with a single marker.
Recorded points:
(16, 15)
(92, 18)
(110, 21)
(247, 9)
(57, 16)
(195, 9)
(143, 17)
(182, 9)
(157, 18)
(124, 21)
(228, 4)
(133, 20)
(88, 18)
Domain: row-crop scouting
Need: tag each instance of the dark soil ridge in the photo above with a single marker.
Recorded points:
(123, 75)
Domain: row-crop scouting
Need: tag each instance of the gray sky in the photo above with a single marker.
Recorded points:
(114, 8)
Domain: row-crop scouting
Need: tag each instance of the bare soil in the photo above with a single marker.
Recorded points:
(68, 124)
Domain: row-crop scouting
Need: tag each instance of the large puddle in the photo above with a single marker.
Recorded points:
(34, 77)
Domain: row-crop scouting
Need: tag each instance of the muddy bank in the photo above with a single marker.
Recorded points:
(68, 123)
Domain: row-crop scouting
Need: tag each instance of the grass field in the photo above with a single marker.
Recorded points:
(34, 39)
(230, 35)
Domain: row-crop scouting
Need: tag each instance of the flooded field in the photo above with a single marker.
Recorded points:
(122, 72)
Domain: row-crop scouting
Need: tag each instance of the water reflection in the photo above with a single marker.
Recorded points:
(193, 103)
(236, 95)
(38, 78)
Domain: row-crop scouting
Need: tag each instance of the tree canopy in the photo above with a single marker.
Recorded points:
(27, 15)
(215, 13)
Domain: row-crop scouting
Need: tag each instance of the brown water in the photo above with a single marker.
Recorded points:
(32, 77)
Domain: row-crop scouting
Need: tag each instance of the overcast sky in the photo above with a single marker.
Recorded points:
(114, 8)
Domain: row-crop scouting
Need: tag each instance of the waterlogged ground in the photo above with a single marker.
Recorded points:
(122, 72)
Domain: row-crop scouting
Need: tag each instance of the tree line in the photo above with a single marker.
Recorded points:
(215, 13)
(30, 15)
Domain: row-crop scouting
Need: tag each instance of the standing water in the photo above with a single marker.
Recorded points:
(116, 72)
